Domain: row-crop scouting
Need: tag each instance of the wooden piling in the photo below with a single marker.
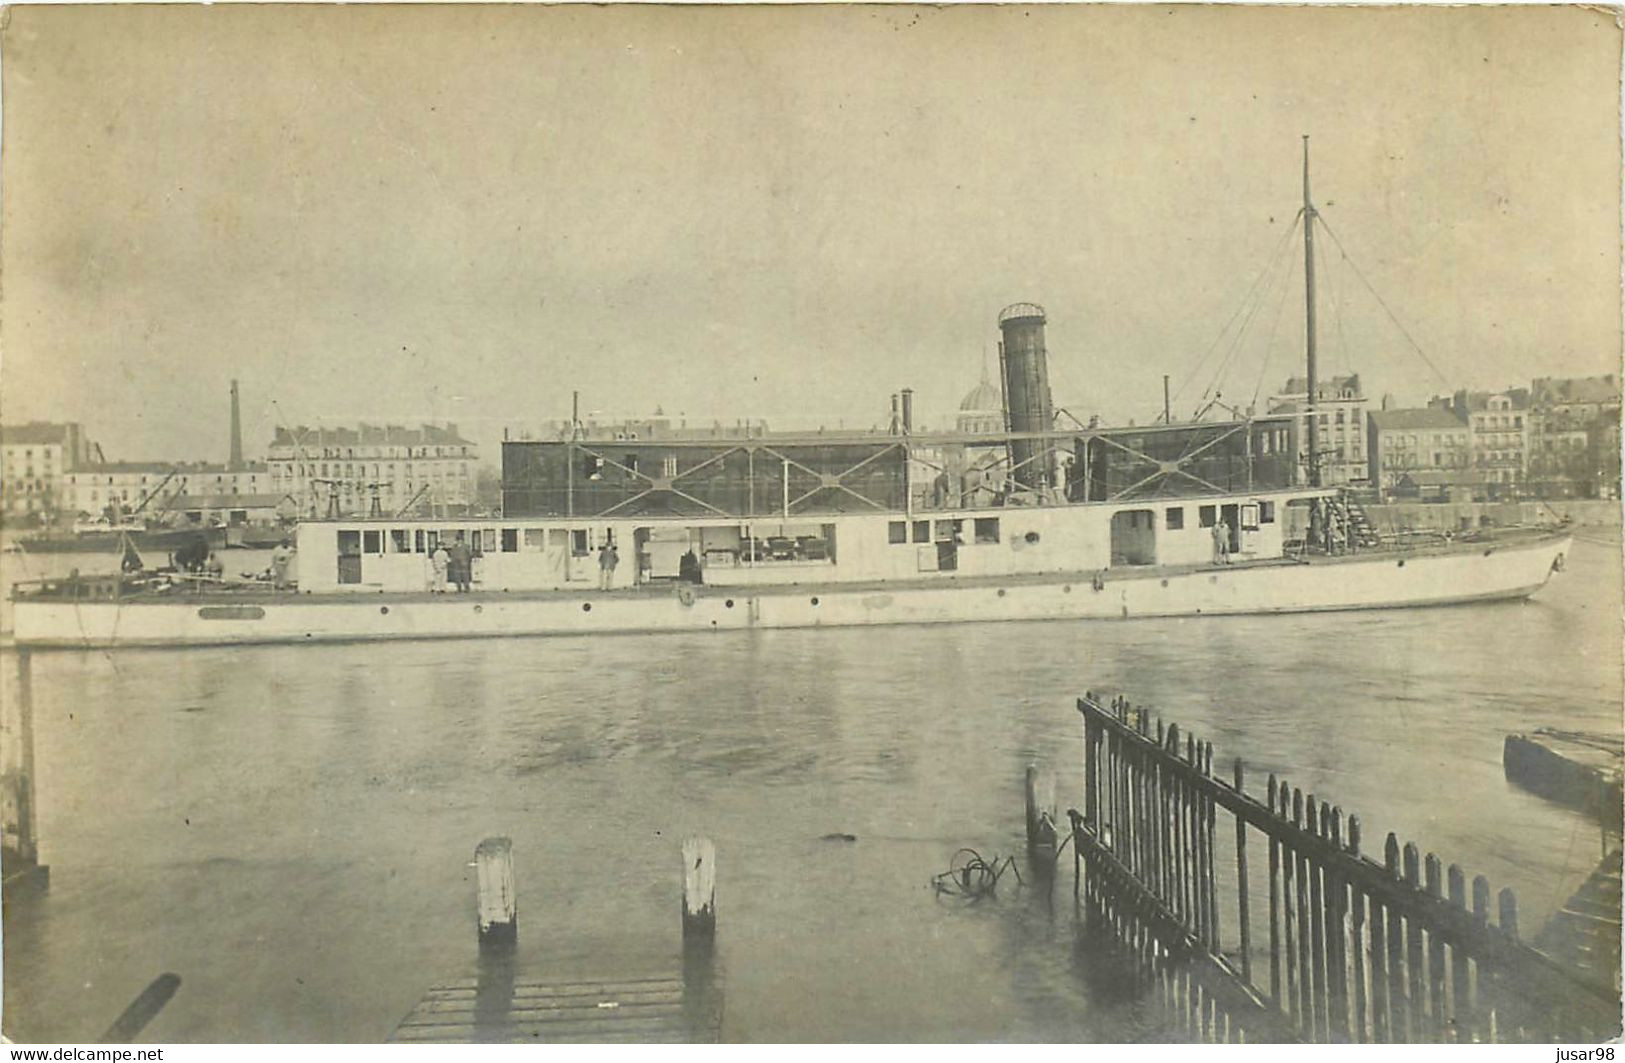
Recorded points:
(1337, 981)
(1245, 916)
(497, 905)
(1317, 923)
(1433, 873)
(1415, 964)
(699, 887)
(1275, 905)
(1460, 1005)
(1399, 1001)
(1357, 909)
(1040, 802)
(1306, 998)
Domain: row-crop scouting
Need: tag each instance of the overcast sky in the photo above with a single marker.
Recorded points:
(405, 214)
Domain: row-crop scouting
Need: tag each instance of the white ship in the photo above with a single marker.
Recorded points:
(729, 533)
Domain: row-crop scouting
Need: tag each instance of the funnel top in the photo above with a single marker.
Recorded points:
(1021, 312)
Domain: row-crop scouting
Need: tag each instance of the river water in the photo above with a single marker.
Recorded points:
(289, 828)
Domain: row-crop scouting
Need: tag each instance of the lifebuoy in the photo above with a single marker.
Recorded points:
(685, 594)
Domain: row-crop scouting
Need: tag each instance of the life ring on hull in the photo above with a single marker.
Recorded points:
(1557, 563)
(685, 594)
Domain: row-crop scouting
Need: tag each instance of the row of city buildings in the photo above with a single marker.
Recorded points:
(53, 473)
(1557, 438)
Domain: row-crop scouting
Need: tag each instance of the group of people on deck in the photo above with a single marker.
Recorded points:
(451, 564)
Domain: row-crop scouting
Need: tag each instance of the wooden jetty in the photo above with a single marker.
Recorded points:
(1584, 935)
(499, 1005)
(1577, 768)
(1294, 933)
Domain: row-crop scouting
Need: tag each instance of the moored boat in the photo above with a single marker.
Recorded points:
(1030, 523)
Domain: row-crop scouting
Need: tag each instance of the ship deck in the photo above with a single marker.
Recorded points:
(663, 589)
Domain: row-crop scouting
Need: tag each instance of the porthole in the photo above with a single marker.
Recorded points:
(815, 599)
(1402, 562)
(1066, 588)
(586, 607)
(479, 608)
(1165, 583)
(384, 610)
(1031, 537)
(729, 603)
(1001, 592)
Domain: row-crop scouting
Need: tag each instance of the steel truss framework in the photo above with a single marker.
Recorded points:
(779, 480)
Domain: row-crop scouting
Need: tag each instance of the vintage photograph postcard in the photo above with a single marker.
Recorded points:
(803, 523)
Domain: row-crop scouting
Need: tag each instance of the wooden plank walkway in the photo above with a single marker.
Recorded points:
(469, 1010)
(1584, 935)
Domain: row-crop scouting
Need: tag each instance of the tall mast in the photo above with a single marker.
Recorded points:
(1309, 319)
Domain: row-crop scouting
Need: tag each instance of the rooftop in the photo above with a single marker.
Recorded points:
(370, 435)
(36, 432)
(1411, 420)
(1552, 391)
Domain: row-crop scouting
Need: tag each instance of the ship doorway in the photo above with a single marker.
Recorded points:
(349, 557)
(1232, 523)
(1134, 537)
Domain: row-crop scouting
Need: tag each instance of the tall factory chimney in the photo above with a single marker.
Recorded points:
(236, 431)
(908, 411)
(1024, 365)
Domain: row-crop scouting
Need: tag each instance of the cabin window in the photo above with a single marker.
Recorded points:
(948, 531)
(987, 530)
(372, 541)
(1174, 519)
(417, 542)
(593, 466)
(1208, 515)
(897, 532)
(578, 542)
(922, 531)
(431, 540)
(535, 539)
(401, 540)
(485, 541)
(1266, 513)
(510, 540)
(1249, 516)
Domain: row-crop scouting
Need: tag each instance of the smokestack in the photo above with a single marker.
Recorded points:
(908, 410)
(236, 432)
(896, 421)
(1028, 409)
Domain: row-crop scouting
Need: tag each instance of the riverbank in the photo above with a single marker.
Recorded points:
(1455, 516)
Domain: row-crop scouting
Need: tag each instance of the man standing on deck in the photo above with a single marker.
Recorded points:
(439, 562)
(462, 566)
(1221, 542)
(607, 560)
(280, 558)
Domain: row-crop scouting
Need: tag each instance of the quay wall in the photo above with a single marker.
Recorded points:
(1443, 516)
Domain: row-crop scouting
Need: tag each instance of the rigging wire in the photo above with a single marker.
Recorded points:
(1383, 303)
(1257, 305)
(1225, 328)
(1336, 286)
(1269, 346)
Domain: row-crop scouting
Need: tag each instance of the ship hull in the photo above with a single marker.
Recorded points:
(1375, 581)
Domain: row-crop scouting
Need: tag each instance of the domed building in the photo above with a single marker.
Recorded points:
(983, 409)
